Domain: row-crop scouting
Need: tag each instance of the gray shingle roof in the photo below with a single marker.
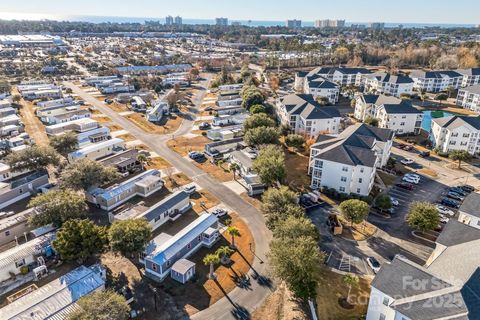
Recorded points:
(456, 232)
(403, 107)
(472, 89)
(306, 106)
(471, 204)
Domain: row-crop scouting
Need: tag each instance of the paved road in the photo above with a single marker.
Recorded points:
(239, 302)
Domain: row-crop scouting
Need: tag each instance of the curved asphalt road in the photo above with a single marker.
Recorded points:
(239, 302)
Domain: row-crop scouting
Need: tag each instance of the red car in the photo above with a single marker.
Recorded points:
(405, 185)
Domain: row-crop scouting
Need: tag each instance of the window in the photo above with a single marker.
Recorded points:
(358, 190)
(362, 169)
(343, 179)
(154, 267)
(342, 189)
(168, 263)
(199, 238)
(345, 169)
(466, 135)
(385, 301)
(19, 263)
(189, 246)
(7, 233)
(382, 316)
(360, 180)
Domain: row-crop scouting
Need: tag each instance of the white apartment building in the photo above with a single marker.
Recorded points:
(468, 212)
(340, 75)
(471, 76)
(401, 118)
(385, 83)
(367, 105)
(446, 287)
(435, 81)
(456, 133)
(348, 162)
(318, 86)
(469, 98)
(329, 23)
(304, 116)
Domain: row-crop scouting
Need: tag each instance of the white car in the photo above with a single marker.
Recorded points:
(443, 219)
(406, 161)
(445, 211)
(410, 180)
(190, 189)
(413, 175)
(394, 201)
(374, 264)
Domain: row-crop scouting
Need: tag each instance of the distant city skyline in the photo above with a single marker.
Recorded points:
(406, 11)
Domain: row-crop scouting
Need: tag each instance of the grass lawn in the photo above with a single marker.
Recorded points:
(297, 167)
(331, 289)
(168, 126)
(183, 145)
(357, 232)
(200, 293)
(387, 178)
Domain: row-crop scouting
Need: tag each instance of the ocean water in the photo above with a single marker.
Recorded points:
(253, 23)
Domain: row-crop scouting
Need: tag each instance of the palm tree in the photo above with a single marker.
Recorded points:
(233, 232)
(144, 160)
(234, 167)
(212, 260)
(352, 281)
(224, 254)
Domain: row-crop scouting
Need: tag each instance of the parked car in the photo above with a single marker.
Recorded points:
(195, 155)
(408, 148)
(220, 212)
(443, 219)
(410, 179)
(108, 101)
(401, 146)
(204, 126)
(374, 264)
(394, 201)
(460, 191)
(445, 211)
(406, 161)
(424, 154)
(405, 185)
(190, 189)
(450, 203)
(414, 175)
(467, 188)
(455, 196)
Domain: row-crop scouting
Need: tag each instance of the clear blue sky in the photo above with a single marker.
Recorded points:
(426, 11)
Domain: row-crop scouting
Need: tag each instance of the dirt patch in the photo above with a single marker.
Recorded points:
(158, 163)
(201, 293)
(183, 145)
(118, 107)
(202, 200)
(33, 126)
(254, 201)
(177, 180)
(281, 304)
(169, 125)
(429, 172)
(331, 288)
(127, 137)
(102, 119)
(221, 173)
(297, 166)
(114, 127)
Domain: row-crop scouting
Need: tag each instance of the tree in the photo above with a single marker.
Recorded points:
(298, 263)
(80, 239)
(16, 98)
(84, 174)
(258, 108)
(101, 305)
(258, 120)
(251, 95)
(423, 216)
(354, 210)
(279, 204)
(57, 206)
(129, 237)
(450, 91)
(295, 140)
(371, 121)
(352, 281)
(211, 260)
(270, 164)
(441, 97)
(144, 160)
(274, 83)
(224, 254)
(261, 135)
(383, 202)
(33, 158)
(64, 143)
(234, 168)
(459, 155)
(233, 232)
(294, 227)
(324, 101)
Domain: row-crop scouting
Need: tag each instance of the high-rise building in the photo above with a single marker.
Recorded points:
(168, 20)
(329, 23)
(376, 25)
(294, 24)
(178, 21)
(221, 21)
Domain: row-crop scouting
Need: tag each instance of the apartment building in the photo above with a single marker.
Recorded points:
(293, 24)
(469, 98)
(142, 185)
(303, 115)
(435, 81)
(385, 83)
(98, 150)
(327, 23)
(446, 287)
(471, 76)
(456, 133)
(468, 212)
(342, 76)
(402, 118)
(318, 86)
(221, 22)
(348, 162)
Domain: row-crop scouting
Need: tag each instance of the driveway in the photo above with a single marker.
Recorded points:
(239, 302)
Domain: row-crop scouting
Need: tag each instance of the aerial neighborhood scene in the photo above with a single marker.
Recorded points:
(221, 160)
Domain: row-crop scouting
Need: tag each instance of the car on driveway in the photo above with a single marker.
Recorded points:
(450, 203)
(220, 212)
(445, 211)
(443, 219)
(424, 154)
(454, 196)
(190, 189)
(204, 126)
(405, 185)
(374, 264)
(410, 179)
(406, 161)
(195, 155)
